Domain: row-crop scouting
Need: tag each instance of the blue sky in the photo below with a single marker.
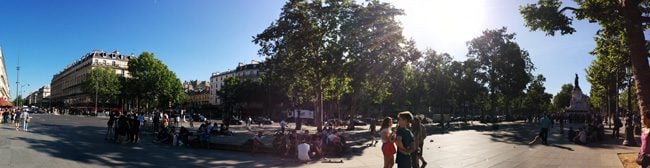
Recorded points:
(204, 36)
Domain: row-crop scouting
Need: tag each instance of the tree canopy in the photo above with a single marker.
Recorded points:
(620, 39)
(152, 84)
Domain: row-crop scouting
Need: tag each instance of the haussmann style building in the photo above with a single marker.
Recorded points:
(4, 82)
(244, 71)
(66, 89)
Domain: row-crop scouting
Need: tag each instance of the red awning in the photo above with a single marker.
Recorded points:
(5, 103)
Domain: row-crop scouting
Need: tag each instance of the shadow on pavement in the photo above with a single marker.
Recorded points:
(86, 144)
(523, 133)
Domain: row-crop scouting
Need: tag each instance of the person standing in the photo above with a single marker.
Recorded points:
(249, 122)
(141, 119)
(404, 140)
(191, 119)
(17, 119)
(156, 122)
(617, 126)
(373, 132)
(545, 123)
(388, 145)
(109, 126)
(420, 134)
(25, 120)
(165, 120)
(283, 125)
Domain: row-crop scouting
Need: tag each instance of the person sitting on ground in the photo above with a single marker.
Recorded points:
(317, 143)
(164, 136)
(293, 142)
(209, 125)
(306, 135)
(303, 151)
(256, 142)
(582, 137)
(184, 135)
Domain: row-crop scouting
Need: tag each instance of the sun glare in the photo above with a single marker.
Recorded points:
(439, 23)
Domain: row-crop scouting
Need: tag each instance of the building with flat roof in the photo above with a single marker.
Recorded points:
(198, 92)
(39, 97)
(66, 85)
(247, 71)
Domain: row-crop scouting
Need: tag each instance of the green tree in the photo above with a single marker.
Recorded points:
(623, 22)
(152, 83)
(377, 54)
(104, 83)
(623, 100)
(505, 66)
(435, 78)
(18, 100)
(228, 95)
(562, 99)
(536, 100)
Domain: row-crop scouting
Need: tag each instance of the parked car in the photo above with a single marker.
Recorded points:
(336, 121)
(262, 120)
(358, 122)
(196, 118)
(234, 121)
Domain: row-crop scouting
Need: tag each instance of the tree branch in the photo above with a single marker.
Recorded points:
(569, 8)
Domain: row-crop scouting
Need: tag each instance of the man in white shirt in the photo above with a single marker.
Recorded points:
(25, 120)
(303, 151)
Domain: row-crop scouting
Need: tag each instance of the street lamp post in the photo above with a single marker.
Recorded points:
(629, 131)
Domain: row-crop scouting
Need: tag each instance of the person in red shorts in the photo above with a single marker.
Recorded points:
(388, 146)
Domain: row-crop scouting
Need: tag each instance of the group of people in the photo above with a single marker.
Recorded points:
(591, 132)
(305, 145)
(406, 142)
(17, 116)
(125, 127)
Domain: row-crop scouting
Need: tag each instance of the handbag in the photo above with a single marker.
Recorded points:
(641, 156)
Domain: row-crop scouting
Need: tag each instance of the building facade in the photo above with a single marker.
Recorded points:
(198, 92)
(40, 97)
(248, 71)
(4, 81)
(66, 85)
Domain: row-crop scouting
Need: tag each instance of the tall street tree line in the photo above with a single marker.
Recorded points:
(345, 58)
(621, 64)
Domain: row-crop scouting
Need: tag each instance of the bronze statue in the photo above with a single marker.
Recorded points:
(575, 82)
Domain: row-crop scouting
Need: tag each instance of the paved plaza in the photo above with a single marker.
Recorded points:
(74, 141)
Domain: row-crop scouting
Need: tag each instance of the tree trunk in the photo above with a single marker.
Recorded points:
(319, 105)
(638, 53)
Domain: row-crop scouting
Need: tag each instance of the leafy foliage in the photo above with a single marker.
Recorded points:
(153, 83)
(562, 99)
(104, 82)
